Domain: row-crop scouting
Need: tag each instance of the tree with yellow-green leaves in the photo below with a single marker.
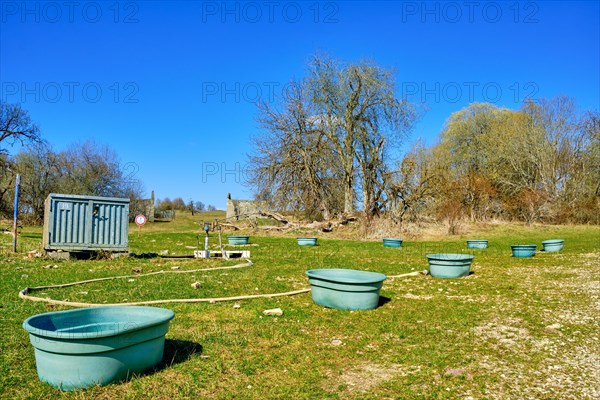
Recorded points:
(536, 163)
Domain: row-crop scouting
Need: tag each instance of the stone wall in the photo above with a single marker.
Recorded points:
(142, 206)
(242, 209)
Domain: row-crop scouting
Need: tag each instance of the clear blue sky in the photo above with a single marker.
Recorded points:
(172, 86)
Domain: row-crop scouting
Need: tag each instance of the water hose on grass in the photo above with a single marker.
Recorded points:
(25, 293)
(414, 273)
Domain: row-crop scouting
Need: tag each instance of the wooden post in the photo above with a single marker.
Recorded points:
(16, 213)
(220, 240)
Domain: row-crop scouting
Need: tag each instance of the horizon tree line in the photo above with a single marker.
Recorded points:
(329, 148)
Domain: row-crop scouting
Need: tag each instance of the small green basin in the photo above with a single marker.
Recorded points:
(553, 245)
(523, 250)
(304, 241)
(392, 242)
(448, 265)
(238, 240)
(76, 349)
(345, 289)
(477, 244)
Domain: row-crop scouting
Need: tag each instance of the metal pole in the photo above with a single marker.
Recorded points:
(16, 213)
(206, 252)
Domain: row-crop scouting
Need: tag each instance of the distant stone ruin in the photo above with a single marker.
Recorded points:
(142, 206)
(243, 209)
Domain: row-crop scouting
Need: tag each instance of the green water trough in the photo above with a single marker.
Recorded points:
(523, 250)
(345, 289)
(477, 244)
(238, 240)
(76, 349)
(392, 242)
(553, 245)
(306, 241)
(448, 265)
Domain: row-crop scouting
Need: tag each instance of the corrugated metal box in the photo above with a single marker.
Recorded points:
(86, 223)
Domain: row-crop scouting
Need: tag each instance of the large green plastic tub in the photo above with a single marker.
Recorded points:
(477, 244)
(392, 242)
(345, 289)
(523, 250)
(553, 245)
(304, 241)
(237, 240)
(448, 265)
(80, 348)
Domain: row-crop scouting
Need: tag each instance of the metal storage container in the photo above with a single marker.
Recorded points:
(86, 223)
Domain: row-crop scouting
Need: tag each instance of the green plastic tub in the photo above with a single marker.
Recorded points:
(345, 289)
(238, 240)
(523, 250)
(448, 265)
(477, 244)
(80, 348)
(304, 241)
(553, 245)
(392, 242)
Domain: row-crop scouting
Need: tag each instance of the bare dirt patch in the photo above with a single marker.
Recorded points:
(367, 376)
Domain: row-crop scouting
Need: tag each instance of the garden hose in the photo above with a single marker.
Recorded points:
(25, 293)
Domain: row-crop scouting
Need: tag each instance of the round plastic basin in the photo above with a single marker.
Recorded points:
(238, 240)
(76, 349)
(477, 244)
(307, 241)
(448, 265)
(392, 242)
(553, 245)
(345, 289)
(523, 250)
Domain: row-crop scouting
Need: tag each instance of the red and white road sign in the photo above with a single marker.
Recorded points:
(140, 220)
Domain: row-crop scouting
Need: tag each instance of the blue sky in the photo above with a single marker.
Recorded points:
(172, 86)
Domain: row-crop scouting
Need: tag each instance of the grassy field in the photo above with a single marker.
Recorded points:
(514, 329)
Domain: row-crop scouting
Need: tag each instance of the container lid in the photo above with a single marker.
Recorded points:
(450, 256)
(96, 322)
(342, 275)
(553, 241)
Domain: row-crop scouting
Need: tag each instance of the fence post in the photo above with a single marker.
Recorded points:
(16, 214)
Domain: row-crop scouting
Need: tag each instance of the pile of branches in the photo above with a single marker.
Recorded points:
(286, 223)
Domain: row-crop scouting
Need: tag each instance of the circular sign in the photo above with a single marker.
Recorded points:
(140, 219)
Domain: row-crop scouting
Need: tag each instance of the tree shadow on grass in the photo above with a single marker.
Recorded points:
(30, 235)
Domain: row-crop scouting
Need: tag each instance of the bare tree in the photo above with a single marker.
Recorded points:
(199, 206)
(332, 131)
(361, 116)
(380, 120)
(294, 166)
(16, 126)
(91, 169)
(412, 185)
(39, 170)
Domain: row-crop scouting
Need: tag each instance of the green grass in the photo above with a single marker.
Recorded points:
(486, 336)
